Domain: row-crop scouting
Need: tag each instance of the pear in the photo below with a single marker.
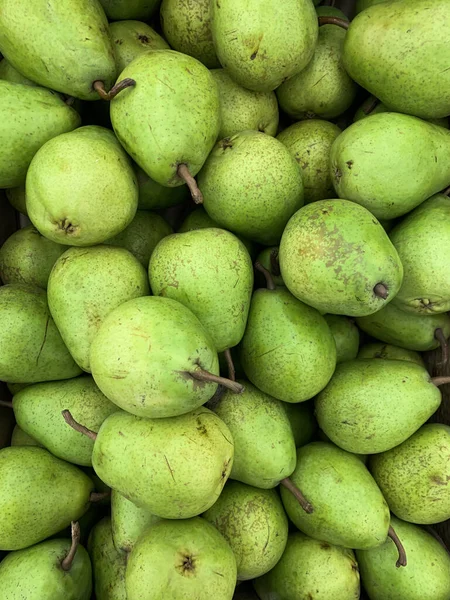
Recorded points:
(40, 495)
(128, 522)
(268, 258)
(16, 197)
(81, 189)
(425, 577)
(20, 438)
(302, 420)
(414, 476)
(389, 352)
(388, 62)
(346, 336)
(214, 280)
(31, 348)
(55, 54)
(9, 73)
(80, 294)
(153, 196)
(363, 4)
(372, 106)
(398, 145)
(322, 89)
(187, 28)
(108, 565)
(129, 9)
(28, 257)
(243, 109)
(311, 568)
(261, 43)
(38, 408)
(197, 219)
(348, 508)
(255, 525)
(251, 185)
(142, 235)
(35, 115)
(372, 405)
(330, 11)
(190, 558)
(16, 387)
(310, 144)
(336, 267)
(131, 39)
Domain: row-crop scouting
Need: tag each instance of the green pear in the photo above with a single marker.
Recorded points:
(40, 495)
(261, 43)
(389, 352)
(372, 106)
(38, 408)
(311, 568)
(425, 577)
(268, 258)
(264, 446)
(81, 189)
(187, 28)
(251, 185)
(346, 336)
(142, 235)
(55, 54)
(31, 348)
(9, 73)
(363, 4)
(214, 280)
(336, 267)
(117, 10)
(20, 438)
(372, 405)
(385, 54)
(255, 525)
(16, 387)
(399, 145)
(16, 197)
(131, 39)
(128, 522)
(414, 476)
(190, 558)
(330, 11)
(348, 507)
(302, 420)
(35, 115)
(322, 89)
(108, 565)
(28, 257)
(197, 219)
(153, 196)
(243, 109)
(310, 144)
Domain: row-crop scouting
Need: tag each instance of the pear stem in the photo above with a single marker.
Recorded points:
(66, 563)
(77, 426)
(99, 87)
(230, 364)
(401, 561)
(202, 375)
(440, 337)
(440, 380)
(374, 102)
(307, 506)
(381, 291)
(275, 263)
(334, 21)
(6, 404)
(184, 174)
(99, 496)
(267, 274)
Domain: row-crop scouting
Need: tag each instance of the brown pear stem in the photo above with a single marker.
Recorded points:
(374, 102)
(440, 380)
(275, 263)
(99, 87)
(77, 426)
(230, 364)
(440, 337)
(6, 404)
(202, 375)
(66, 563)
(99, 496)
(267, 274)
(307, 506)
(381, 291)
(184, 174)
(401, 561)
(334, 21)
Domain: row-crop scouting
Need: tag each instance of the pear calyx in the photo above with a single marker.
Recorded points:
(381, 291)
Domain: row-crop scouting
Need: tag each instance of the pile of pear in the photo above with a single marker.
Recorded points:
(234, 242)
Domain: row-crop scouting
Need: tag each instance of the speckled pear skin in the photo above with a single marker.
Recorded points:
(302, 420)
(197, 219)
(346, 336)
(414, 477)
(389, 352)
(35, 38)
(131, 39)
(184, 461)
(20, 438)
(153, 196)
(108, 565)
(264, 446)
(38, 409)
(31, 348)
(385, 54)
(81, 294)
(243, 109)
(408, 330)
(35, 573)
(128, 522)
(187, 27)
(349, 509)
(117, 10)
(40, 495)
(426, 576)
(261, 42)
(314, 567)
(412, 158)
(16, 197)
(171, 116)
(9, 73)
(81, 189)
(211, 273)
(368, 105)
(254, 171)
(285, 337)
(255, 525)
(334, 266)
(34, 114)
(372, 405)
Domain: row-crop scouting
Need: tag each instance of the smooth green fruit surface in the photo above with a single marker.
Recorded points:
(129, 9)
(108, 565)
(346, 336)
(389, 352)
(128, 522)
(9, 73)
(131, 39)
